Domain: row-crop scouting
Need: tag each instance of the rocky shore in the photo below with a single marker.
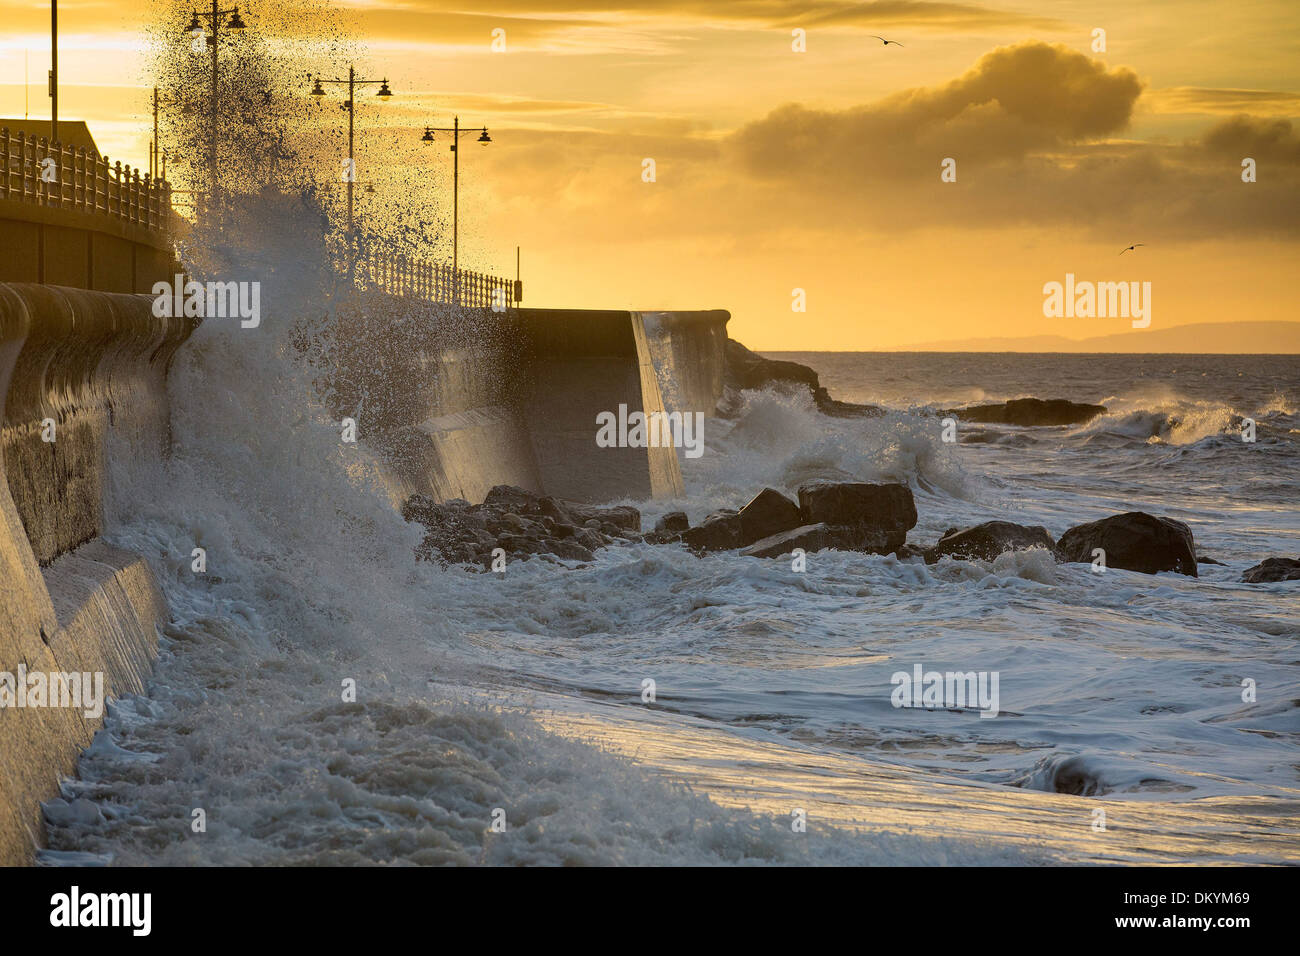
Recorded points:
(847, 516)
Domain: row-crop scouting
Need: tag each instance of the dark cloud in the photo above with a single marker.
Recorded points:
(1015, 99)
(1260, 139)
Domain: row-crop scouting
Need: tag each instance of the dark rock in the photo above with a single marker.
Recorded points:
(1272, 570)
(887, 507)
(510, 498)
(749, 370)
(811, 537)
(662, 537)
(1206, 559)
(624, 516)
(819, 537)
(572, 551)
(1029, 412)
(769, 512)
(673, 521)
(717, 533)
(746, 369)
(1135, 541)
(590, 539)
(986, 541)
(553, 509)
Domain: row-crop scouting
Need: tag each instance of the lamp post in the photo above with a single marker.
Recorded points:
(54, 71)
(157, 163)
(353, 81)
(235, 25)
(456, 132)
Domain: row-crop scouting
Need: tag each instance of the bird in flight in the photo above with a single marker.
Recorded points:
(883, 40)
(1132, 248)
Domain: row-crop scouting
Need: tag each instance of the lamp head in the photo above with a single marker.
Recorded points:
(317, 90)
(236, 22)
(484, 138)
(428, 136)
(384, 93)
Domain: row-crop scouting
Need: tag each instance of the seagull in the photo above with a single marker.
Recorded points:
(883, 40)
(1132, 248)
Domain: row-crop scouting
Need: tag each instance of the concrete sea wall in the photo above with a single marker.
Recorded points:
(79, 367)
(457, 401)
(453, 401)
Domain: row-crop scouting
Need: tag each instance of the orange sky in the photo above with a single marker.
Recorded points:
(817, 170)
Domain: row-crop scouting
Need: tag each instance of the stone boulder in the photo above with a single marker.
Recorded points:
(674, 521)
(988, 540)
(811, 537)
(1135, 541)
(888, 510)
(1030, 412)
(769, 512)
(748, 370)
(1271, 570)
(718, 532)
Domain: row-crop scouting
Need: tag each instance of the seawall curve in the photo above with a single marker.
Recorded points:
(458, 400)
(78, 367)
(454, 400)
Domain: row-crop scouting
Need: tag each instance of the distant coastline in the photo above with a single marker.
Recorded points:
(1204, 338)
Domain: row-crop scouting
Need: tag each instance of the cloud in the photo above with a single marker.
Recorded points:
(1261, 139)
(1195, 99)
(1014, 100)
(1037, 130)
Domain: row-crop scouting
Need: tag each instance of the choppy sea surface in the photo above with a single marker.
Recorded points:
(771, 737)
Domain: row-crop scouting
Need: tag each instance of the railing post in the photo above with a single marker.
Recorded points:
(4, 148)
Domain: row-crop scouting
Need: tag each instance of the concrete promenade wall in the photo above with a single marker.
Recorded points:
(454, 400)
(459, 400)
(83, 250)
(95, 364)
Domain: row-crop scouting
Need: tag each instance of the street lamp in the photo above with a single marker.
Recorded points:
(456, 132)
(384, 94)
(235, 24)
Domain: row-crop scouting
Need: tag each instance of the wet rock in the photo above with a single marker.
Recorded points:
(1206, 559)
(571, 550)
(520, 522)
(749, 370)
(718, 533)
(811, 537)
(887, 508)
(1030, 412)
(673, 521)
(1272, 570)
(1135, 541)
(988, 540)
(769, 512)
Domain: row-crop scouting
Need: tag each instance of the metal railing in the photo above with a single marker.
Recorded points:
(81, 181)
(434, 282)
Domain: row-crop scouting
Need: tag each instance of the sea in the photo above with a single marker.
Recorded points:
(323, 698)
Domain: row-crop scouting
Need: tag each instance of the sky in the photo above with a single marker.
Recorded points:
(797, 160)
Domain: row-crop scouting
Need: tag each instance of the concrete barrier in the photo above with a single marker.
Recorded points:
(459, 400)
(582, 363)
(90, 364)
(454, 400)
